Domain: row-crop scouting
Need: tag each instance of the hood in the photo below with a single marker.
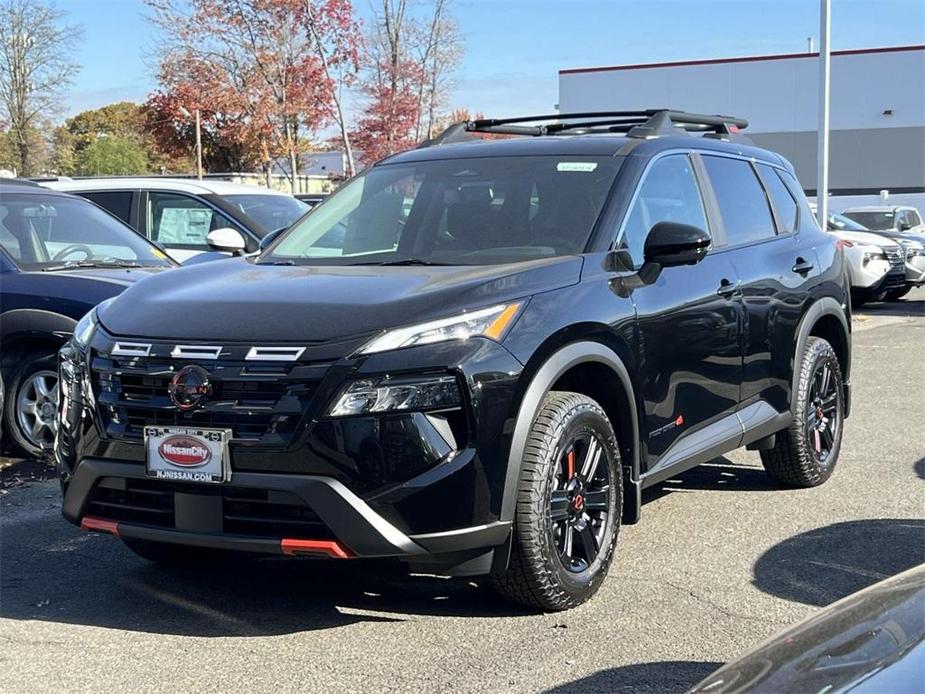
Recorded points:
(869, 238)
(236, 300)
(118, 277)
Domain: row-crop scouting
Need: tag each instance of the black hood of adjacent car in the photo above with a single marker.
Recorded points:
(237, 300)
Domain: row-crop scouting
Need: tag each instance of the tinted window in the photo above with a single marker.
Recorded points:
(179, 220)
(457, 212)
(785, 207)
(669, 193)
(47, 231)
(118, 202)
(272, 211)
(742, 202)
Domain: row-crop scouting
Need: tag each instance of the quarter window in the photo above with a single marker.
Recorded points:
(178, 220)
(742, 202)
(669, 193)
(785, 207)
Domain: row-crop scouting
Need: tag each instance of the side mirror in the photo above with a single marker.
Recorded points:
(670, 244)
(904, 226)
(225, 239)
(269, 238)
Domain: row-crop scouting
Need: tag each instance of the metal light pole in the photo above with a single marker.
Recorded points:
(822, 154)
(199, 144)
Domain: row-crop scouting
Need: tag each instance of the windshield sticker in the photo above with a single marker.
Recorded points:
(576, 166)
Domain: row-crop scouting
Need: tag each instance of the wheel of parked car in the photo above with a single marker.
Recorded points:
(897, 294)
(569, 503)
(804, 454)
(32, 403)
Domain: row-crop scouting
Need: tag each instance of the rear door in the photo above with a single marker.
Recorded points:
(775, 265)
(689, 319)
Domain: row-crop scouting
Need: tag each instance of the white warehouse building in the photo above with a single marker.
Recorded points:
(877, 109)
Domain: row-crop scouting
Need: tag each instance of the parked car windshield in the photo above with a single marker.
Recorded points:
(455, 212)
(839, 222)
(270, 211)
(46, 232)
(878, 221)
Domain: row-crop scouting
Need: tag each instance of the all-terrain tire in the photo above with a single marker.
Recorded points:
(793, 462)
(536, 576)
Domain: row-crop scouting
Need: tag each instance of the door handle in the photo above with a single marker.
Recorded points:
(726, 288)
(802, 267)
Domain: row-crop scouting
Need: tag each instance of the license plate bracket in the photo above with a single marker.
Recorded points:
(187, 454)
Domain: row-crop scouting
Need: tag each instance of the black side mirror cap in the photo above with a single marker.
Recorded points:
(671, 244)
(269, 238)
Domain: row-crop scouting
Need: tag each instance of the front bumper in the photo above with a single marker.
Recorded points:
(344, 526)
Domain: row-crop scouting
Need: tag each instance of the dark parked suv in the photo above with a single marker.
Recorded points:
(509, 340)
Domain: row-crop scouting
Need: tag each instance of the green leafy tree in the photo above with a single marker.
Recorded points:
(112, 156)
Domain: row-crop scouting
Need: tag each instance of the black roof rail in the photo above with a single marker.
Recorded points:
(644, 124)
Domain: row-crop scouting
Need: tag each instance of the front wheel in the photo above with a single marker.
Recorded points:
(569, 502)
(804, 454)
(32, 403)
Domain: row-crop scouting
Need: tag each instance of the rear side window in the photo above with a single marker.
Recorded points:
(118, 203)
(669, 193)
(742, 202)
(785, 207)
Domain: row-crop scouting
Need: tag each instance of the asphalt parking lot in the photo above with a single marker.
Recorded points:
(720, 561)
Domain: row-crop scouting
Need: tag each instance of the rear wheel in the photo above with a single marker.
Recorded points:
(804, 454)
(32, 404)
(568, 510)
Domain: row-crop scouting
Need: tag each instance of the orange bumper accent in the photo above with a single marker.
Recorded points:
(330, 548)
(99, 525)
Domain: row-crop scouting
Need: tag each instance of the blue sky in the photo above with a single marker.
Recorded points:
(514, 48)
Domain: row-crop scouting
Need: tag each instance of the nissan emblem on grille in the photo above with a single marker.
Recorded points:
(190, 387)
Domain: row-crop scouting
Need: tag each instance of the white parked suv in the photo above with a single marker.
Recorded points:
(187, 216)
(876, 265)
(887, 218)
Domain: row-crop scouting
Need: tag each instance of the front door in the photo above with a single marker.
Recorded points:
(689, 320)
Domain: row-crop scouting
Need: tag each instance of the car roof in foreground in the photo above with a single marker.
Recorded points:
(183, 185)
(592, 145)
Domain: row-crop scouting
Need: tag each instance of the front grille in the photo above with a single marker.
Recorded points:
(896, 258)
(258, 401)
(246, 512)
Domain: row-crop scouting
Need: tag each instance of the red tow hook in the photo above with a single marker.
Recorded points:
(329, 548)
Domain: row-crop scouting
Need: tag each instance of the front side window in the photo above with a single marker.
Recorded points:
(180, 220)
(669, 193)
(742, 202)
(456, 212)
(45, 232)
(273, 212)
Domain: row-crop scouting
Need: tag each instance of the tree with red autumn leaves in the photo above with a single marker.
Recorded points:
(263, 73)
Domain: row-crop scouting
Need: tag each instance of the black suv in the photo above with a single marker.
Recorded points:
(509, 339)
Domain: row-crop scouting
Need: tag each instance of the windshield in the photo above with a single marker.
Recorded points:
(839, 222)
(872, 220)
(44, 232)
(270, 211)
(455, 212)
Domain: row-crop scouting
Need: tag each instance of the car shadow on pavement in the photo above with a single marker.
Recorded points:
(903, 307)
(53, 572)
(718, 475)
(920, 468)
(641, 678)
(823, 565)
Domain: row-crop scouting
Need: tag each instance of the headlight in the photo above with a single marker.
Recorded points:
(83, 331)
(489, 322)
(387, 394)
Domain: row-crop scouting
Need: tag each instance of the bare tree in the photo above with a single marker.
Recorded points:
(439, 53)
(35, 47)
